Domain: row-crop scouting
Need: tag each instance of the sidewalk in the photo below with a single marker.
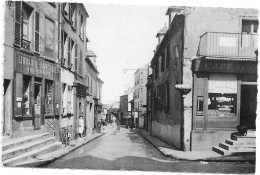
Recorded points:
(208, 156)
(52, 156)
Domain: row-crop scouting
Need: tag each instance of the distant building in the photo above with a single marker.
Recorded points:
(140, 93)
(204, 80)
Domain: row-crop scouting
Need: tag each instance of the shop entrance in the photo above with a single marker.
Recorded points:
(37, 106)
(248, 106)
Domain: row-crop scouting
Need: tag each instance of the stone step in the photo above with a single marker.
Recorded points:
(11, 143)
(16, 151)
(31, 154)
(235, 147)
(235, 142)
(243, 138)
(245, 151)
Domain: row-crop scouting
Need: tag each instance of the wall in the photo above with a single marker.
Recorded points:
(167, 125)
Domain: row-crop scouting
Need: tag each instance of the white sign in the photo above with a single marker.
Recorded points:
(223, 84)
(227, 42)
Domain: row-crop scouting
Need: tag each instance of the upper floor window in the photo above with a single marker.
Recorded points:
(66, 10)
(25, 27)
(168, 56)
(81, 34)
(162, 61)
(65, 48)
(249, 26)
(74, 15)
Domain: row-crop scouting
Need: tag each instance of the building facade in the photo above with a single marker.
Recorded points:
(140, 94)
(73, 38)
(204, 76)
(32, 72)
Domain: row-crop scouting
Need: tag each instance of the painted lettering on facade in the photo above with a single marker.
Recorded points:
(32, 65)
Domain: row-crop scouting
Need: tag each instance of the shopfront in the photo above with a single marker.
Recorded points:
(36, 91)
(80, 106)
(224, 96)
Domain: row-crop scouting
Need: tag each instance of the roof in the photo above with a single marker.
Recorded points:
(90, 53)
(170, 32)
(176, 9)
(91, 65)
(162, 31)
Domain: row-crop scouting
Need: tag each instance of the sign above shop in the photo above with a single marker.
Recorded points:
(37, 66)
(225, 66)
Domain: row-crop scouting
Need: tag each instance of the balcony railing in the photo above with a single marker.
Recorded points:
(26, 44)
(228, 45)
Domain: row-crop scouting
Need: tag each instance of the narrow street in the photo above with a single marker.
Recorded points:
(127, 150)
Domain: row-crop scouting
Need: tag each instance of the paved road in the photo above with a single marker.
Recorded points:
(129, 151)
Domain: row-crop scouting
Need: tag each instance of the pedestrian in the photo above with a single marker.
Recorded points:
(114, 127)
(81, 126)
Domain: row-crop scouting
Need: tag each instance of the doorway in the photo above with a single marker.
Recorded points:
(37, 106)
(248, 106)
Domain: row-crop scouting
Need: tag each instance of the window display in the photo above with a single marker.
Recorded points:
(49, 89)
(222, 97)
(26, 95)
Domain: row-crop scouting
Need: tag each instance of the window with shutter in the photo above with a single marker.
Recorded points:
(37, 31)
(18, 21)
(76, 57)
(168, 56)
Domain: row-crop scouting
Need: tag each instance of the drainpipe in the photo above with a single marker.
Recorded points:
(59, 47)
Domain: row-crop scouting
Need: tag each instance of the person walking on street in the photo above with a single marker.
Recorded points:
(114, 125)
(81, 126)
(118, 125)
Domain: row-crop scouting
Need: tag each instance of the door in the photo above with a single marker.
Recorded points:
(248, 106)
(37, 106)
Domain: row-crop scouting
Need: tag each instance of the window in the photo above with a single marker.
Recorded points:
(80, 63)
(156, 69)
(66, 49)
(26, 95)
(199, 105)
(66, 10)
(249, 26)
(166, 97)
(222, 96)
(168, 56)
(72, 54)
(69, 100)
(49, 91)
(76, 57)
(74, 15)
(81, 27)
(90, 86)
(162, 61)
(49, 38)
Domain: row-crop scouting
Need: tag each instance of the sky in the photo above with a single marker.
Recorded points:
(123, 37)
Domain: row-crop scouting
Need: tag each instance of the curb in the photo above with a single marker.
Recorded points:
(221, 159)
(46, 162)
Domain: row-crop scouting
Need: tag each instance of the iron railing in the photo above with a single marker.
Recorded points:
(216, 44)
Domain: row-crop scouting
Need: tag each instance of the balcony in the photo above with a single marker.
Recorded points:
(26, 44)
(232, 45)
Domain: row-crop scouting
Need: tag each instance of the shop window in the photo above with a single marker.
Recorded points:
(37, 98)
(26, 95)
(64, 99)
(222, 96)
(49, 92)
(69, 100)
(200, 105)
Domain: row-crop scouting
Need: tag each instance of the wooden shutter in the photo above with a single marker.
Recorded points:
(69, 47)
(76, 19)
(76, 57)
(36, 32)
(18, 23)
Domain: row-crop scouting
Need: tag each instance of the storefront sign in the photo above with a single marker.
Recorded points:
(225, 66)
(33, 65)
